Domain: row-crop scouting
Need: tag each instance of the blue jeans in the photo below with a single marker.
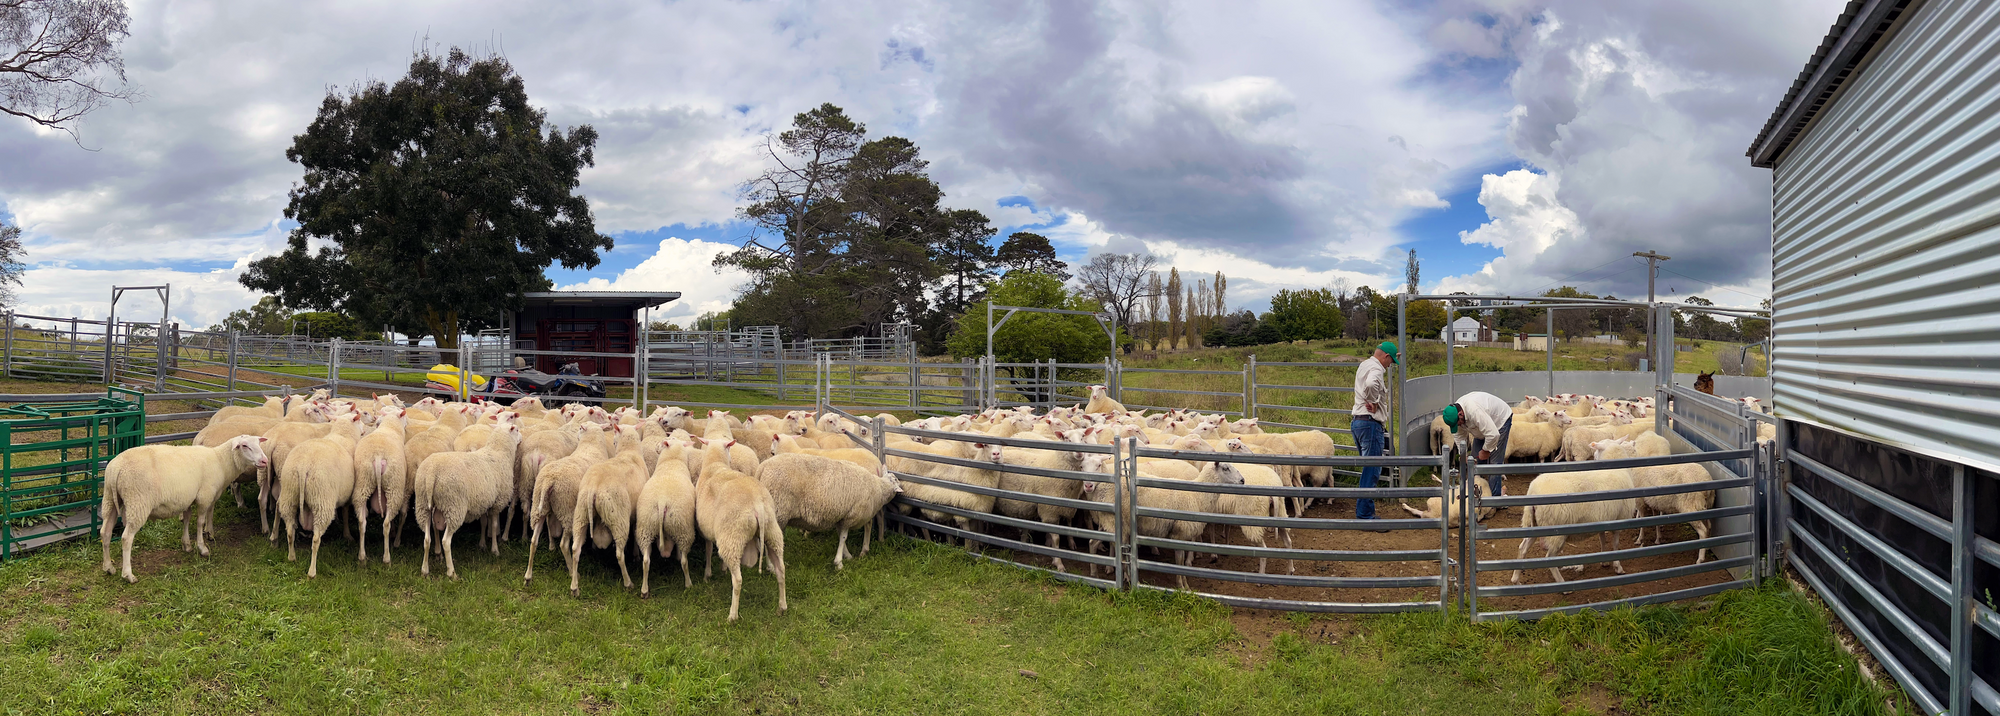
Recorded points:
(1368, 437)
(1499, 456)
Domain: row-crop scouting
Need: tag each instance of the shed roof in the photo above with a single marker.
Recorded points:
(1861, 27)
(635, 299)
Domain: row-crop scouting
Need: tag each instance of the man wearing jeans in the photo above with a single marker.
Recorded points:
(1371, 408)
(1486, 419)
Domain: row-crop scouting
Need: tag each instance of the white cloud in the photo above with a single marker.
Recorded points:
(678, 265)
(199, 299)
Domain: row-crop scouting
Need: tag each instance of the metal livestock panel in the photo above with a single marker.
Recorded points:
(1886, 245)
(1424, 397)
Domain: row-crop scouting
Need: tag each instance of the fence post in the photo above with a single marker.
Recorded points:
(231, 370)
(333, 367)
(464, 376)
(781, 373)
(640, 374)
(1124, 465)
(1250, 388)
(1447, 575)
(9, 367)
(1962, 590)
(1549, 342)
(1468, 476)
(916, 379)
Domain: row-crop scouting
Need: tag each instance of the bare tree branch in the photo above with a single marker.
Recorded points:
(56, 57)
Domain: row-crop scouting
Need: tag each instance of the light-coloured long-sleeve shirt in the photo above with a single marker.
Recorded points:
(1481, 417)
(1371, 386)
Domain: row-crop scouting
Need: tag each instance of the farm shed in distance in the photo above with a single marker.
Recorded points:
(1885, 294)
(584, 322)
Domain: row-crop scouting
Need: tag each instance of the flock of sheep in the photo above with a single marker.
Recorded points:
(1587, 427)
(629, 482)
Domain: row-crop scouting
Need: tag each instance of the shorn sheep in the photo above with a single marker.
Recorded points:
(817, 494)
(1101, 402)
(665, 515)
(606, 501)
(737, 515)
(379, 484)
(1433, 509)
(1662, 475)
(456, 486)
(166, 480)
(316, 482)
(555, 493)
(1577, 513)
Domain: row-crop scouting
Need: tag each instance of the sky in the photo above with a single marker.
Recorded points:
(1516, 146)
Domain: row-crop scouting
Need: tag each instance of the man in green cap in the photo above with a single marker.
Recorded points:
(1371, 409)
(1486, 418)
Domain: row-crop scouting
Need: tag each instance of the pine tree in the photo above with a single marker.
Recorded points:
(1174, 307)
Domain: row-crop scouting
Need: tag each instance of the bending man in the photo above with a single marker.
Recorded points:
(1486, 418)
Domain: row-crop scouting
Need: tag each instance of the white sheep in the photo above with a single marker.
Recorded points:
(1101, 402)
(816, 494)
(1662, 475)
(380, 482)
(1187, 501)
(538, 449)
(317, 481)
(1045, 486)
(273, 408)
(606, 501)
(665, 515)
(455, 486)
(152, 481)
(968, 501)
(1434, 509)
(555, 492)
(1256, 505)
(281, 438)
(1577, 513)
(737, 515)
(1537, 441)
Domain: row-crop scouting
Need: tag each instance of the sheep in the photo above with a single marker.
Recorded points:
(1576, 440)
(1661, 475)
(1577, 513)
(538, 449)
(817, 493)
(1063, 487)
(1183, 500)
(379, 481)
(1535, 441)
(555, 491)
(759, 440)
(217, 432)
(968, 501)
(740, 457)
(665, 514)
(273, 408)
(281, 439)
(865, 459)
(1450, 513)
(165, 480)
(1101, 402)
(737, 515)
(1256, 505)
(606, 502)
(453, 487)
(316, 482)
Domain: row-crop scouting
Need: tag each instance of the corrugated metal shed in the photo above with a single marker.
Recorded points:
(1886, 239)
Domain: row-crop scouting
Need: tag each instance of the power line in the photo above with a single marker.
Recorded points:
(1714, 286)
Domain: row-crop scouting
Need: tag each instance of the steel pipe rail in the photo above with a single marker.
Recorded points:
(1569, 497)
(1571, 560)
(1616, 580)
(1625, 524)
(1539, 468)
(1285, 580)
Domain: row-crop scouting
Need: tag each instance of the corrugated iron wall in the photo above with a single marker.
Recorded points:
(1886, 256)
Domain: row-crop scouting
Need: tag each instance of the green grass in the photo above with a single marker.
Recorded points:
(911, 628)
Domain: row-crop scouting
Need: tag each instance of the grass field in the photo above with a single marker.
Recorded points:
(911, 628)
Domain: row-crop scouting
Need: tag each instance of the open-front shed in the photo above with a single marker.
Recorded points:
(556, 322)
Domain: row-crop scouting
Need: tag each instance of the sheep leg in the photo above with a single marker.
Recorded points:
(345, 533)
(708, 561)
(735, 583)
(133, 521)
(204, 525)
(840, 552)
(187, 522)
(618, 545)
(1185, 559)
(1052, 545)
(263, 499)
(1617, 567)
(645, 568)
(492, 523)
(1555, 544)
(236, 491)
(450, 568)
(529, 577)
(319, 526)
(687, 575)
(361, 526)
(1701, 531)
(426, 527)
(1260, 560)
(1523, 554)
(291, 533)
(864, 531)
(1291, 565)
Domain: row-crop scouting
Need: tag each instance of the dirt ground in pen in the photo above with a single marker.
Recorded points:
(1425, 539)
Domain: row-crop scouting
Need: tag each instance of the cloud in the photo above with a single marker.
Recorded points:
(1634, 116)
(199, 298)
(678, 265)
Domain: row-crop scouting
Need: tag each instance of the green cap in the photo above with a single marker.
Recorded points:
(1451, 417)
(1389, 347)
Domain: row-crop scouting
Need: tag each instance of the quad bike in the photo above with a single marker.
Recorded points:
(517, 383)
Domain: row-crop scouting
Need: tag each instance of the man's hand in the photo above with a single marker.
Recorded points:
(1373, 408)
(1484, 455)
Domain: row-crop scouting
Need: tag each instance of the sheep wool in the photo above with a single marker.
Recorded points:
(456, 486)
(1577, 513)
(154, 481)
(379, 483)
(665, 515)
(737, 515)
(817, 494)
(606, 501)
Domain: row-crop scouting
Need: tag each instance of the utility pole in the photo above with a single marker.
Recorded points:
(1653, 260)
